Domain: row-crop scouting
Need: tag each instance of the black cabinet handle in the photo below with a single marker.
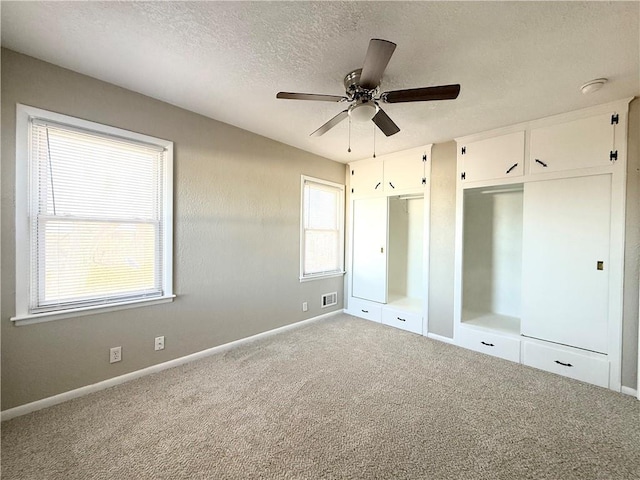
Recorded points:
(376, 187)
(512, 167)
(364, 311)
(488, 344)
(402, 319)
(563, 364)
(391, 185)
(541, 163)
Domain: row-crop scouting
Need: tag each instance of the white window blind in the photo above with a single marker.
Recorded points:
(97, 218)
(322, 228)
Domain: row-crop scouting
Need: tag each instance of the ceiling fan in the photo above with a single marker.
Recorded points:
(363, 92)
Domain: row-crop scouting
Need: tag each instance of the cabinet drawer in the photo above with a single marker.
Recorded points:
(363, 309)
(402, 319)
(588, 367)
(490, 343)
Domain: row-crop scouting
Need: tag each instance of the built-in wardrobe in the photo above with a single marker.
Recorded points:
(387, 258)
(540, 243)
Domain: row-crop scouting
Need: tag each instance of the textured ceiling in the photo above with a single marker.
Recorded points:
(516, 61)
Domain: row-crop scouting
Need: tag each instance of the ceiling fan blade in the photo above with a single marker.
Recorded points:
(330, 124)
(442, 92)
(311, 96)
(375, 62)
(384, 123)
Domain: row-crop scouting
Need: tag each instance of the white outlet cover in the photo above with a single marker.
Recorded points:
(115, 354)
(159, 343)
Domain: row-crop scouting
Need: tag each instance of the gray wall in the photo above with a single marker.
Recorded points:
(236, 239)
(442, 238)
(632, 252)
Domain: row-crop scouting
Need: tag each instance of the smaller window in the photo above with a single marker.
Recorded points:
(322, 229)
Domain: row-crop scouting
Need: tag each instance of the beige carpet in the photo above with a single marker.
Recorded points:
(342, 398)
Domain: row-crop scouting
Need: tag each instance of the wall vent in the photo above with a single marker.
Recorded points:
(329, 299)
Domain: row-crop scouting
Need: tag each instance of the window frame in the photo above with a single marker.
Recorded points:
(341, 229)
(23, 199)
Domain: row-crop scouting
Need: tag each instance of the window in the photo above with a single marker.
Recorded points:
(93, 216)
(322, 229)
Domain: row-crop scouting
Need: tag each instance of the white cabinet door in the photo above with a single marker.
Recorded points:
(492, 158)
(404, 171)
(565, 284)
(370, 249)
(587, 142)
(366, 178)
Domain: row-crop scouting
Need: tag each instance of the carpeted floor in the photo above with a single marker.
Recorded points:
(341, 398)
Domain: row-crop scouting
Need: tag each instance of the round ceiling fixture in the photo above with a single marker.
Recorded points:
(363, 112)
(593, 85)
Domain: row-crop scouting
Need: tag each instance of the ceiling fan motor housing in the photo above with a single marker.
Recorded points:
(355, 91)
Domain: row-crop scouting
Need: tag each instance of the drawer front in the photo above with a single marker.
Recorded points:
(401, 319)
(590, 368)
(490, 343)
(363, 309)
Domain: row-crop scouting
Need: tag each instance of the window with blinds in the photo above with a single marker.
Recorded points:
(322, 228)
(99, 218)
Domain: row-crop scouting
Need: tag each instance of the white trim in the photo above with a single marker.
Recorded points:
(32, 318)
(440, 338)
(111, 382)
(320, 276)
(630, 391)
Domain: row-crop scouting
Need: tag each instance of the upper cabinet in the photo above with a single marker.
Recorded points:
(391, 174)
(366, 178)
(492, 158)
(582, 143)
(405, 170)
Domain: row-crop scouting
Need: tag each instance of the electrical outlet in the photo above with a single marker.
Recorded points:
(305, 307)
(115, 354)
(159, 345)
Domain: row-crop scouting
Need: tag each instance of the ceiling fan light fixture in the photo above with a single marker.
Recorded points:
(593, 85)
(363, 112)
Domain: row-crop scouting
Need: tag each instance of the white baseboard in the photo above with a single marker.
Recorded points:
(630, 391)
(111, 382)
(440, 338)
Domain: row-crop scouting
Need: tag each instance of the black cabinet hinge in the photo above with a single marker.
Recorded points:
(462, 176)
(352, 190)
(463, 150)
(352, 172)
(424, 157)
(614, 119)
(613, 155)
(424, 181)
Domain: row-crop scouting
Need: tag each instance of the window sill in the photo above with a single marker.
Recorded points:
(32, 318)
(321, 277)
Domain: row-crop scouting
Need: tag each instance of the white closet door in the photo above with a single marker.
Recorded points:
(370, 249)
(565, 237)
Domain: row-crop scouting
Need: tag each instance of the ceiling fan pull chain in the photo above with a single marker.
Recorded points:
(374, 140)
(349, 149)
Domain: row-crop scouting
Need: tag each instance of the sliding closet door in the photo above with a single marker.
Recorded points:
(565, 284)
(370, 249)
